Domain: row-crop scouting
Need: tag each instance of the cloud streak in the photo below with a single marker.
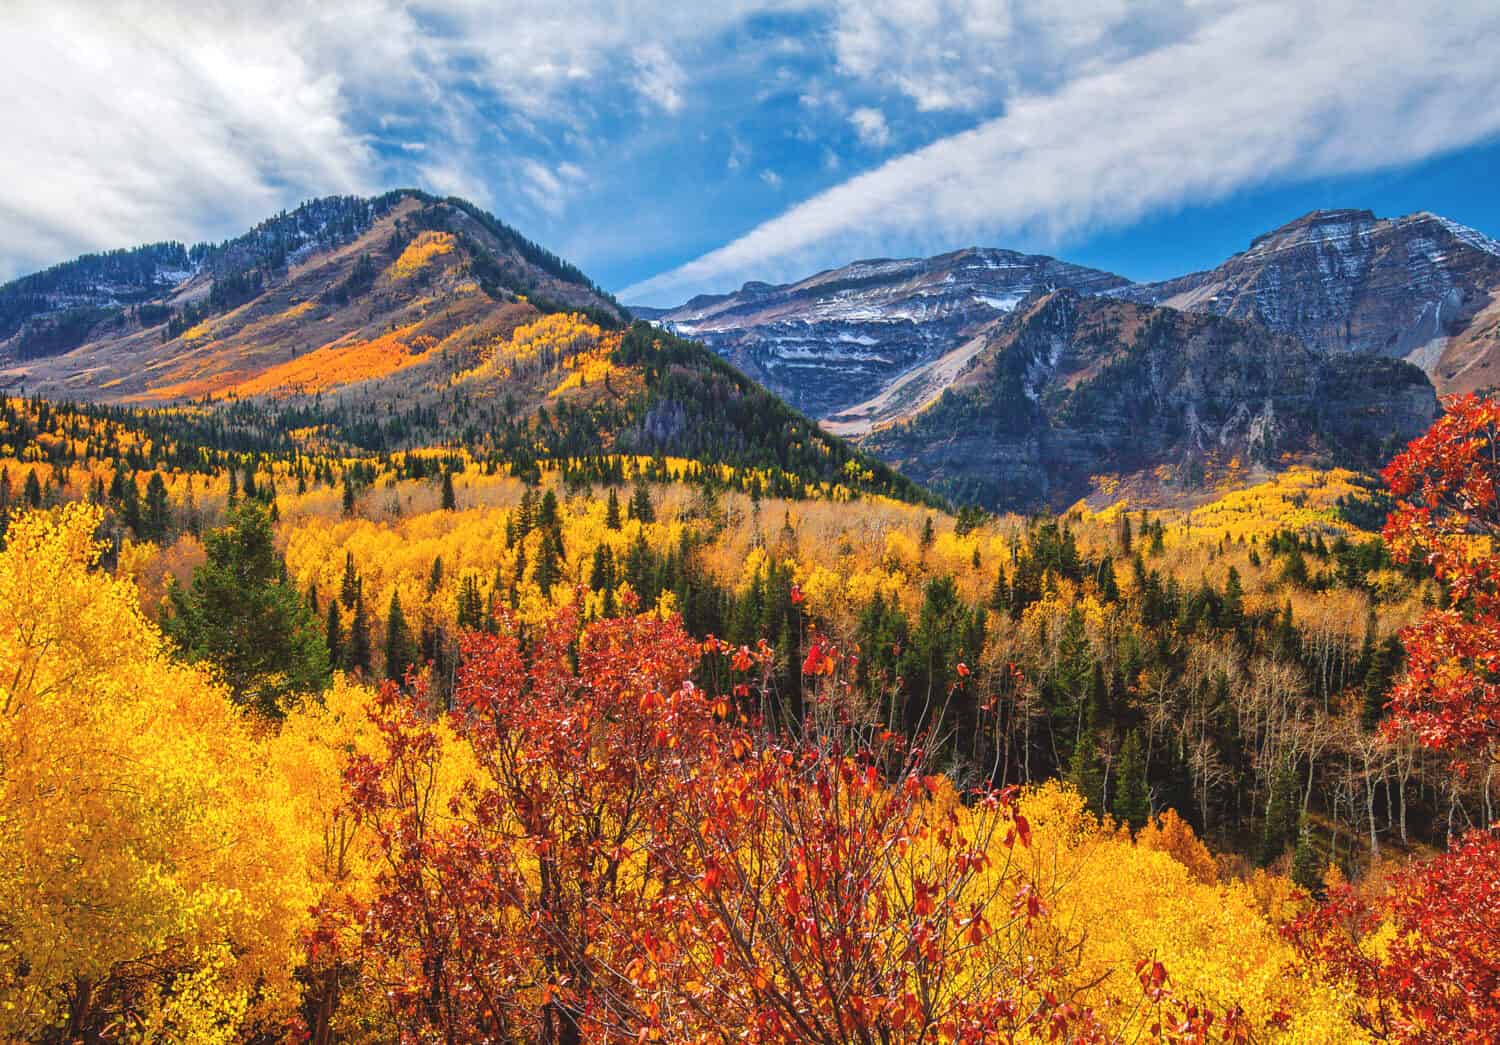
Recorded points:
(195, 118)
(1263, 92)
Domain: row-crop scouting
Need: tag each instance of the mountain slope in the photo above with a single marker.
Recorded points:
(342, 288)
(1420, 288)
(1071, 388)
(357, 326)
(835, 339)
(877, 341)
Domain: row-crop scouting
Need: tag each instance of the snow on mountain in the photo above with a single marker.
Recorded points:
(837, 338)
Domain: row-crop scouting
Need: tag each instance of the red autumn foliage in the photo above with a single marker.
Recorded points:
(1447, 516)
(512, 914)
(841, 903)
(1438, 978)
(636, 860)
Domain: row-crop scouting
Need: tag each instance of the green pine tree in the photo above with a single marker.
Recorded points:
(350, 588)
(33, 492)
(244, 617)
(1307, 870)
(357, 653)
(157, 519)
(1131, 803)
(333, 633)
(640, 503)
(1085, 772)
(398, 641)
(470, 613)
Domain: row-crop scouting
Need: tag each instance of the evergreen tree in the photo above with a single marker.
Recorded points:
(1385, 660)
(1234, 601)
(1281, 814)
(130, 504)
(612, 511)
(333, 633)
(357, 654)
(1131, 802)
(1306, 867)
(640, 503)
(1125, 537)
(435, 577)
(1085, 772)
(348, 497)
(398, 641)
(33, 492)
(450, 500)
(157, 521)
(546, 516)
(1075, 666)
(244, 617)
(350, 588)
(549, 560)
(1294, 570)
(470, 613)
(602, 578)
(999, 600)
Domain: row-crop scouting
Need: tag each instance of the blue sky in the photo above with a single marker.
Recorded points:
(670, 149)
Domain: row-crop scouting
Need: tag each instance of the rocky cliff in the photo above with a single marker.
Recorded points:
(833, 340)
(1420, 288)
(1072, 388)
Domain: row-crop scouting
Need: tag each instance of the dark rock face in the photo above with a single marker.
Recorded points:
(1074, 387)
(1345, 281)
(836, 338)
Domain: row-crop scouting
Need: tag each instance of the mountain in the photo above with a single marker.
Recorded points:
(833, 340)
(166, 322)
(1420, 288)
(876, 341)
(1071, 391)
(371, 325)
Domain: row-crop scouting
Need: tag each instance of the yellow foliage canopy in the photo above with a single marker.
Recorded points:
(136, 822)
(420, 252)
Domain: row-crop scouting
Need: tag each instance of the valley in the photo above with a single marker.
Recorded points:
(381, 547)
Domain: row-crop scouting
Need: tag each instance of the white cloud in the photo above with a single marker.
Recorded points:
(195, 118)
(119, 129)
(550, 187)
(1269, 91)
(449, 178)
(971, 54)
(659, 78)
(771, 178)
(870, 126)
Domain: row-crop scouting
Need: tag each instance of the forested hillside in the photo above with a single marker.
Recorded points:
(519, 742)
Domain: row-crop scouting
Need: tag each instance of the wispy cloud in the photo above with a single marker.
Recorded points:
(193, 118)
(870, 126)
(115, 127)
(1266, 91)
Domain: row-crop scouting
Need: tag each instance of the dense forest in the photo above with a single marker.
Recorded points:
(706, 722)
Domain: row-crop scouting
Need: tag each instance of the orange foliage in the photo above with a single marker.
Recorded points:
(1171, 834)
(342, 364)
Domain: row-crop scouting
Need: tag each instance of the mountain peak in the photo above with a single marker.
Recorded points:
(1316, 223)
